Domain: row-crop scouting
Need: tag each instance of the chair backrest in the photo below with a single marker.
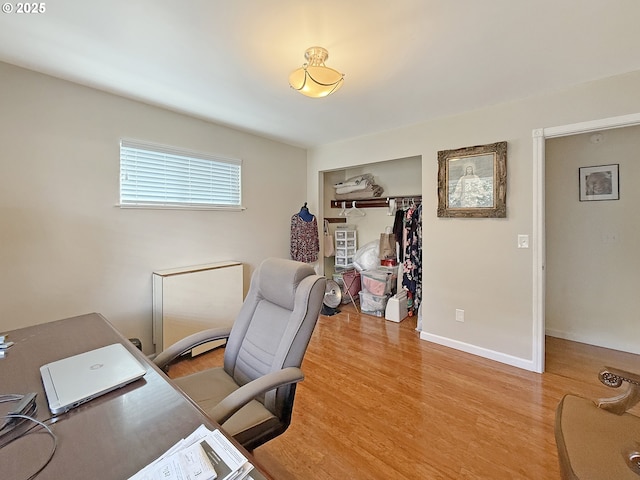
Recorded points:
(274, 326)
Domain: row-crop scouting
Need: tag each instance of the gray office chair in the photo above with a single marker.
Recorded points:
(600, 440)
(252, 395)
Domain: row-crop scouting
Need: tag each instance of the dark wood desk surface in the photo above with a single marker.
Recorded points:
(111, 437)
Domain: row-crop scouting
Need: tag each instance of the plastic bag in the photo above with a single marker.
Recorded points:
(366, 258)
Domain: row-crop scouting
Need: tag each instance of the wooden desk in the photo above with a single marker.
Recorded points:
(110, 437)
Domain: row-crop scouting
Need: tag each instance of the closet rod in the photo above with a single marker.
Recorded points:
(377, 202)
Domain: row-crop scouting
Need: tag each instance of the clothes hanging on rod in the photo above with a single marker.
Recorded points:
(412, 262)
(398, 231)
(305, 241)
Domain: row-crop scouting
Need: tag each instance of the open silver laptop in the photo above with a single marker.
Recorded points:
(75, 380)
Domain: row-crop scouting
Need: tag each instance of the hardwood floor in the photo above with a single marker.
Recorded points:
(379, 403)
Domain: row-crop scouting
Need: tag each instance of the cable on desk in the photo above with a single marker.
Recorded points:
(10, 425)
(26, 406)
(10, 397)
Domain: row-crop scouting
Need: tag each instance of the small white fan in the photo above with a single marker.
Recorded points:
(332, 298)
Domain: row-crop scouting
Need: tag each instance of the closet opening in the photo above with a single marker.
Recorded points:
(360, 206)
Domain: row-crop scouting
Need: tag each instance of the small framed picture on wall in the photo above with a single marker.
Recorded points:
(599, 183)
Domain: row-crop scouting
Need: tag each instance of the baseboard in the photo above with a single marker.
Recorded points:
(479, 351)
(589, 340)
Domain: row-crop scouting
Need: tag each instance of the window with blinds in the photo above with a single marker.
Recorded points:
(164, 177)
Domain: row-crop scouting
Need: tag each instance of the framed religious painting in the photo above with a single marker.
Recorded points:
(472, 181)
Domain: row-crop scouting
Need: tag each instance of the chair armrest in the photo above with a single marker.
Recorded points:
(614, 377)
(164, 358)
(243, 395)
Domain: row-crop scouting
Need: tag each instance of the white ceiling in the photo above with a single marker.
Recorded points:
(405, 61)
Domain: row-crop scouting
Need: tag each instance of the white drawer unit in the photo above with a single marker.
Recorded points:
(346, 246)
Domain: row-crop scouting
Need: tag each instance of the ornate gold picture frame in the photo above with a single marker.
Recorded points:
(472, 181)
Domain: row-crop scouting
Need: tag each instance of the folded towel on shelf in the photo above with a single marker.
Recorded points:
(365, 179)
(369, 191)
(352, 188)
(346, 184)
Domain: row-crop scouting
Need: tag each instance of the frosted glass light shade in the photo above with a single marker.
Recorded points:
(315, 79)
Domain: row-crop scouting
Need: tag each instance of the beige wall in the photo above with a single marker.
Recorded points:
(66, 249)
(592, 247)
(474, 264)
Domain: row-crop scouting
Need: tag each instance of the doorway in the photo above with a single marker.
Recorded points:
(539, 255)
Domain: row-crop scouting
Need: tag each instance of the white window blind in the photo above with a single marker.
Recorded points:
(160, 176)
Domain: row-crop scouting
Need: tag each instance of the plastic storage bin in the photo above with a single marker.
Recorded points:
(378, 282)
(346, 243)
(344, 261)
(373, 304)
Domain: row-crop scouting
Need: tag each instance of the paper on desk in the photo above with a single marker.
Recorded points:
(189, 463)
(203, 455)
(146, 473)
(226, 459)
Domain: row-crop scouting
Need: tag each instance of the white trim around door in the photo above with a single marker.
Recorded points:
(539, 137)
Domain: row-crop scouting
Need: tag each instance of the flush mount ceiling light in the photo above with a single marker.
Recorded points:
(315, 79)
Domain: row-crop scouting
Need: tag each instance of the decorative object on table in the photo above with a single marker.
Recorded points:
(472, 181)
(600, 182)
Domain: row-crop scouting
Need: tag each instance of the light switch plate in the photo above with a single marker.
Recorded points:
(523, 241)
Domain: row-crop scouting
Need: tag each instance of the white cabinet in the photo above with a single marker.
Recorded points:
(190, 299)
(346, 246)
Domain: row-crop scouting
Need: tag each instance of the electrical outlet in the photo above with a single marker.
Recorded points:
(523, 241)
(459, 315)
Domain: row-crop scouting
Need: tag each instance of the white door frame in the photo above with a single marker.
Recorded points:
(539, 137)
